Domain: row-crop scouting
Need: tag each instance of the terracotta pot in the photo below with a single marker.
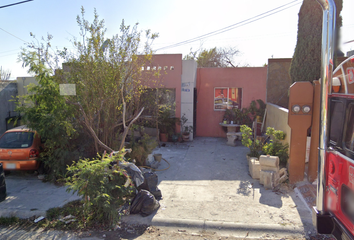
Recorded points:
(163, 137)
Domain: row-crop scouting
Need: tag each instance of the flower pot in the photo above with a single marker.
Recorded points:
(185, 137)
(174, 138)
(163, 137)
(158, 157)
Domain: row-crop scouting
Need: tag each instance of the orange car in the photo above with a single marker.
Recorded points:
(19, 149)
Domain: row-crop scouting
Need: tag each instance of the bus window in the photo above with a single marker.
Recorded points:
(349, 132)
(337, 111)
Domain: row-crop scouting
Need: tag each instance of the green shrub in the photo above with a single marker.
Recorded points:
(275, 147)
(247, 141)
(141, 149)
(259, 147)
(8, 221)
(103, 188)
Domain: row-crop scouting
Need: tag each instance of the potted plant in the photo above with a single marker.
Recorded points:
(166, 123)
(258, 112)
(186, 130)
(254, 145)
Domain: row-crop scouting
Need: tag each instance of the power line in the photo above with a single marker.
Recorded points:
(14, 35)
(9, 5)
(233, 26)
(9, 51)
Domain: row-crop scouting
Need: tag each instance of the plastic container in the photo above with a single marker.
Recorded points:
(158, 157)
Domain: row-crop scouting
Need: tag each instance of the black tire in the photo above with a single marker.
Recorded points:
(2, 193)
(2, 184)
(41, 169)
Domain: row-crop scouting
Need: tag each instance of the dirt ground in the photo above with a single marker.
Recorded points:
(30, 231)
(151, 232)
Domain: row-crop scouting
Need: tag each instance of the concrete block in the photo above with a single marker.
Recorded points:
(271, 161)
(231, 137)
(269, 168)
(283, 175)
(268, 179)
(250, 158)
(254, 168)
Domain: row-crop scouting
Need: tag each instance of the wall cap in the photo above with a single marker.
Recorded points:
(278, 107)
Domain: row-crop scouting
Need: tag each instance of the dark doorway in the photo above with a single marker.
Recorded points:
(195, 112)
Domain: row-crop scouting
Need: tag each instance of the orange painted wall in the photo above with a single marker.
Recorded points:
(252, 80)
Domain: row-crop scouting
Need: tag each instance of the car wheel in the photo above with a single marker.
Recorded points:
(41, 168)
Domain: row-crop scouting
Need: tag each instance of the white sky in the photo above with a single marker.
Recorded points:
(174, 20)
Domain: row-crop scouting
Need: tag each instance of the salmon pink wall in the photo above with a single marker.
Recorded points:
(168, 78)
(252, 80)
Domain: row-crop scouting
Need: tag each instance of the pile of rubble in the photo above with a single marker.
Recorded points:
(266, 169)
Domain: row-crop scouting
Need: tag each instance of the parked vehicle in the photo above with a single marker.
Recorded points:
(334, 210)
(19, 149)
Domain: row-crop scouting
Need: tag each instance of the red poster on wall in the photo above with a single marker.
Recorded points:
(227, 98)
(220, 98)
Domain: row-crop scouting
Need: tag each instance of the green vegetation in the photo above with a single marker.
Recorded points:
(275, 147)
(246, 115)
(254, 145)
(8, 221)
(306, 62)
(141, 149)
(74, 208)
(108, 81)
(51, 117)
(104, 188)
(166, 121)
(271, 145)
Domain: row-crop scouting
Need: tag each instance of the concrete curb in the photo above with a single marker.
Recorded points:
(222, 228)
(21, 213)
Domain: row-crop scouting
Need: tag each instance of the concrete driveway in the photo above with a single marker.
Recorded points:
(208, 188)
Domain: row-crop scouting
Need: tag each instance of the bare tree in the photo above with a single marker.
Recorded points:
(214, 57)
(4, 74)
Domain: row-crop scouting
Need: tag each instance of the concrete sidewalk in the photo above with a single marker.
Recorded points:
(27, 196)
(208, 188)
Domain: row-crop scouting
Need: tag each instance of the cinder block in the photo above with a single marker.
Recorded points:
(271, 161)
(251, 158)
(231, 137)
(254, 168)
(269, 168)
(268, 179)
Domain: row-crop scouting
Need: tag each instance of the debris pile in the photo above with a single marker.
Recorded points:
(146, 200)
(266, 169)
